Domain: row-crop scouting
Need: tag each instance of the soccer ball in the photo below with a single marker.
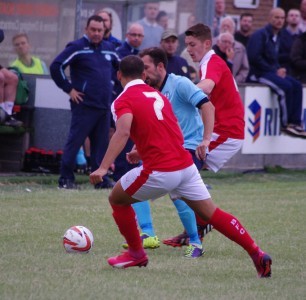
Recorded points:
(78, 239)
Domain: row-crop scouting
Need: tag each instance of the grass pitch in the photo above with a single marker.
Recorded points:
(33, 264)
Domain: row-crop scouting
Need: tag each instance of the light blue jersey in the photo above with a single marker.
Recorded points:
(184, 95)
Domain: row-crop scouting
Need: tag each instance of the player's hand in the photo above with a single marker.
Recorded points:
(76, 96)
(201, 150)
(96, 176)
(133, 157)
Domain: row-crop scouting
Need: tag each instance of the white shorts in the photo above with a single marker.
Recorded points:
(221, 150)
(143, 185)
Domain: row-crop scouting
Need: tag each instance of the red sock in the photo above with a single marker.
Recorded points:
(200, 221)
(231, 227)
(124, 217)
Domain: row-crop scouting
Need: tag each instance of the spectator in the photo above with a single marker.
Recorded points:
(191, 20)
(176, 64)
(262, 51)
(8, 88)
(193, 75)
(133, 39)
(287, 37)
(298, 58)
(189, 60)
(240, 68)
(91, 61)
(162, 19)
(246, 25)
(26, 62)
(225, 48)
(152, 30)
(302, 25)
(219, 15)
(108, 23)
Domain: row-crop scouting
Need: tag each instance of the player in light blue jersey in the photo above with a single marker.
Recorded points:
(195, 114)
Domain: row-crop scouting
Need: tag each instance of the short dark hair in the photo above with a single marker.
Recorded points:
(161, 14)
(94, 18)
(131, 66)
(200, 31)
(246, 15)
(157, 54)
(108, 13)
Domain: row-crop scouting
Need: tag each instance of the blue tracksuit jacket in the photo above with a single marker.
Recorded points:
(263, 51)
(91, 71)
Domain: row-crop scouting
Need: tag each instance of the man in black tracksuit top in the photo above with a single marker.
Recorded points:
(92, 65)
(263, 54)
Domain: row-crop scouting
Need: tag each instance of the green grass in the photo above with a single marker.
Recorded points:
(34, 265)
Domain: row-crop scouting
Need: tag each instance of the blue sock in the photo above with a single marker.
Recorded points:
(188, 219)
(144, 219)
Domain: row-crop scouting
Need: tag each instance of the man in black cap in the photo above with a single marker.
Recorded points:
(176, 64)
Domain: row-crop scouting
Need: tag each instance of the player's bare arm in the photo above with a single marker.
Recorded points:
(206, 85)
(116, 145)
(208, 118)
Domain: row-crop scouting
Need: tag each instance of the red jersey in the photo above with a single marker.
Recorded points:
(154, 130)
(229, 110)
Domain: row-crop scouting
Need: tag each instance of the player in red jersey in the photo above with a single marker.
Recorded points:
(145, 115)
(217, 81)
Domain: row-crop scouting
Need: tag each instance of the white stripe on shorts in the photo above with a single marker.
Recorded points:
(186, 183)
(222, 153)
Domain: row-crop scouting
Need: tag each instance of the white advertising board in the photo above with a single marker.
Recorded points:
(48, 95)
(262, 125)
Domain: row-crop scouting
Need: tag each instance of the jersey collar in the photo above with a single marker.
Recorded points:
(207, 56)
(164, 82)
(134, 82)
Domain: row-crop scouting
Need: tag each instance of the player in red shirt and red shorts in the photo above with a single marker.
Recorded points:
(146, 116)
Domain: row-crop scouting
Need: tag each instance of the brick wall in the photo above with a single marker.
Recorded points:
(260, 14)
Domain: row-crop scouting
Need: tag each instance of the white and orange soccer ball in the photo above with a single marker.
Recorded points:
(78, 239)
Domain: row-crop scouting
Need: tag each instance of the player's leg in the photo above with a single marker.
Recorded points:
(193, 225)
(187, 216)
(221, 149)
(144, 219)
(232, 228)
(137, 184)
(196, 195)
(124, 217)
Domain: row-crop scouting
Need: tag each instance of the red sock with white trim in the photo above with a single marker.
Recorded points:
(124, 217)
(231, 227)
